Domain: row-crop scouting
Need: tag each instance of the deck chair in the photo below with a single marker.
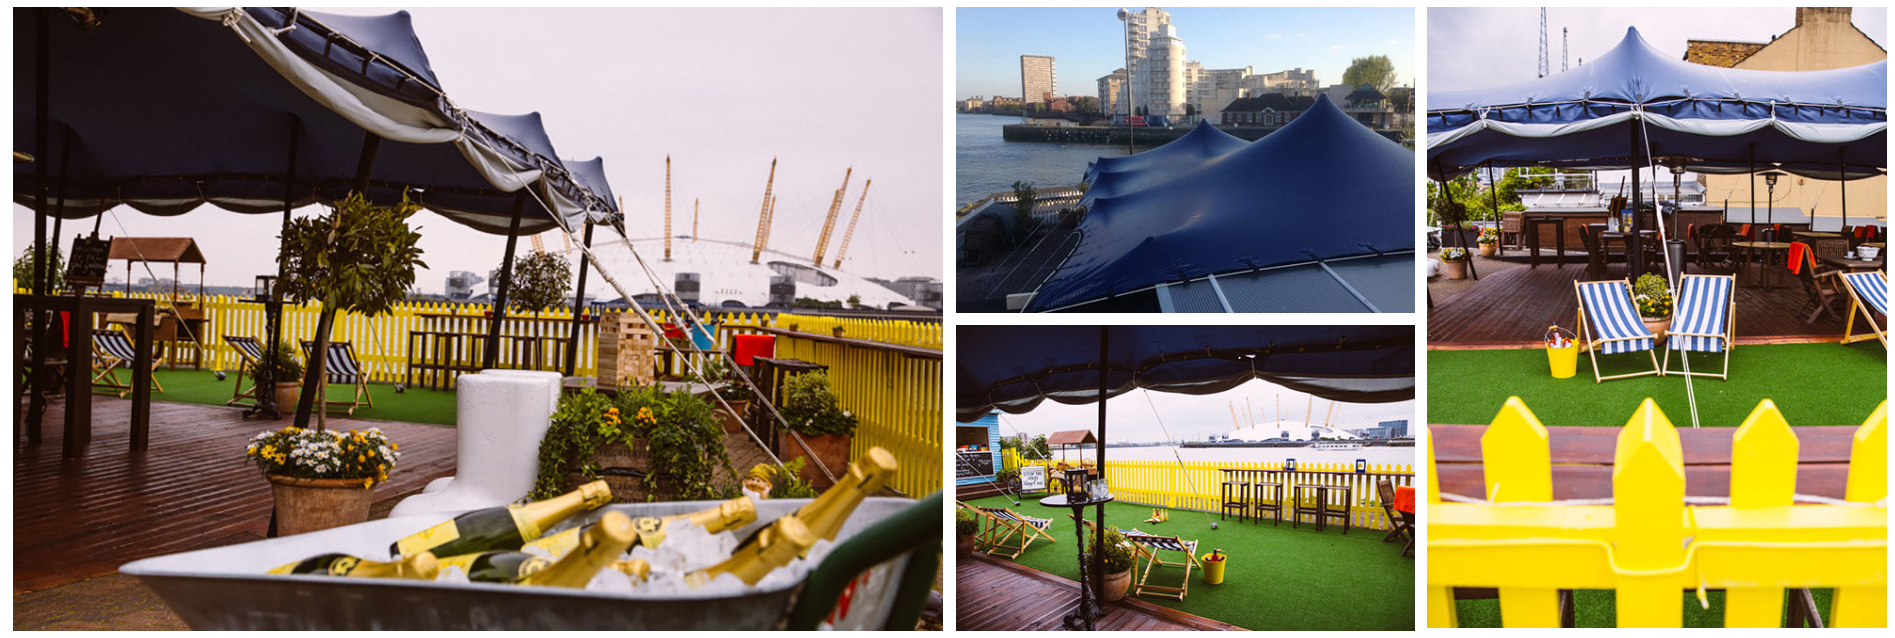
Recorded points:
(343, 368)
(1608, 321)
(1868, 294)
(1399, 526)
(1820, 285)
(1001, 525)
(1705, 321)
(249, 359)
(112, 351)
(1153, 544)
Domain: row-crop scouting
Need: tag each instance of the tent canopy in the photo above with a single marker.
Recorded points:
(162, 249)
(214, 118)
(1113, 175)
(1819, 124)
(1014, 368)
(1322, 187)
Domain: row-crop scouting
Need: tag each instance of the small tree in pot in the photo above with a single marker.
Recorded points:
(810, 408)
(541, 280)
(287, 375)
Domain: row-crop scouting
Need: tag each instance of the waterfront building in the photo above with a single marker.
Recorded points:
(1036, 78)
(1109, 88)
(972, 104)
(1822, 38)
(1211, 90)
(1164, 73)
(1296, 79)
(1140, 26)
(1267, 110)
(925, 291)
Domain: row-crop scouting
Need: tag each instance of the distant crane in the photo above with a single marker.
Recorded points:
(694, 204)
(829, 222)
(846, 235)
(1562, 49)
(763, 216)
(1543, 59)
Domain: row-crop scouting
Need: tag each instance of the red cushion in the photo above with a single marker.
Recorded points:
(747, 347)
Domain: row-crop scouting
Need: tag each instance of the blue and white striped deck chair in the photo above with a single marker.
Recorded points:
(1609, 324)
(1152, 545)
(111, 350)
(249, 358)
(1706, 321)
(1003, 525)
(1869, 290)
(342, 368)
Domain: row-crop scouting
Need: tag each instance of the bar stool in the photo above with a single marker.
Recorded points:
(1233, 495)
(1274, 502)
(1533, 239)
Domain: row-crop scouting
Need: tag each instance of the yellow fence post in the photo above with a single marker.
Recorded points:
(1763, 476)
(1863, 606)
(1648, 507)
(1519, 468)
(1440, 599)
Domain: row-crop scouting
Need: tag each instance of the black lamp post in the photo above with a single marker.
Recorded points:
(1126, 91)
(265, 293)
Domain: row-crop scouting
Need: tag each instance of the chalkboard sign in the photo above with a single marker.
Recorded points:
(974, 464)
(1032, 478)
(85, 265)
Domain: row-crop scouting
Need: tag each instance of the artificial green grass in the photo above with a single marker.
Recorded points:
(1276, 578)
(416, 405)
(1812, 383)
(1599, 608)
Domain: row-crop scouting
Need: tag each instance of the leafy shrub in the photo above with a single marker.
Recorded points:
(965, 525)
(1652, 294)
(811, 409)
(1117, 552)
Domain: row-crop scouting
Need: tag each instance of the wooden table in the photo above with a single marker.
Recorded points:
(1646, 238)
(1405, 506)
(1083, 617)
(1763, 248)
(1854, 265)
(1321, 510)
(78, 425)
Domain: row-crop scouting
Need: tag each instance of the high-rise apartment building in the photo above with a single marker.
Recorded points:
(1036, 78)
(1165, 83)
(1110, 87)
(1140, 26)
(1210, 90)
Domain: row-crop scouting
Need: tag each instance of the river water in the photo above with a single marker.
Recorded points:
(1374, 455)
(984, 163)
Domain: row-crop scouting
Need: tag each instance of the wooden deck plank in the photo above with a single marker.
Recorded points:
(1513, 307)
(192, 489)
(994, 595)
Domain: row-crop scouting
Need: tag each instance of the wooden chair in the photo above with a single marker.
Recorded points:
(1609, 321)
(1258, 504)
(1868, 295)
(1511, 228)
(1596, 253)
(1705, 321)
(1401, 529)
(345, 369)
(1712, 240)
(1152, 545)
(1820, 285)
(249, 359)
(1001, 525)
(111, 351)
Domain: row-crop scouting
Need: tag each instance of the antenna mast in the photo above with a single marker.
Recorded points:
(694, 203)
(667, 208)
(763, 216)
(1543, 42)
(849, 234)
(1562, 49)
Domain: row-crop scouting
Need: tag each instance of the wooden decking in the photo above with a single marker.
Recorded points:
(992, 595)
(191, 489)
(1513, 307)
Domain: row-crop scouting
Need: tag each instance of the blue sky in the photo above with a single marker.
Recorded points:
(1086, 43)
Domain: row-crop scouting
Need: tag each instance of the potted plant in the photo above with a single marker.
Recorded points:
(810, 408)
(1489, 241)
(647, 445)
(1652, 294)
(1454, 262)
(287, 376)
(965, 527)
(322, 479)
(734, 392)
(1117, 553)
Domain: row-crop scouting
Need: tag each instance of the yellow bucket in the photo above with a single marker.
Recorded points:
(1214, 569)
(1563, 361)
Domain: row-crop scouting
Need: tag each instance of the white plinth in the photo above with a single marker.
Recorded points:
(502, 416)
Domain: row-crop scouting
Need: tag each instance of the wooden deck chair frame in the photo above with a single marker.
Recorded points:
(360, 382)
(996, 531)
(247, 364)
(1592, 345)
(108, 363)
(1399, 526)
(1729, 336)
(1153, 559)
(1859, 307)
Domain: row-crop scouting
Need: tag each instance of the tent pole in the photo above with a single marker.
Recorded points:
(1634, 242)
(1753, 183)
(273, 310)
(59, 209)
(492, 355)
(1098, 514)
(578, 304)
(36, 404)
(1842, 186)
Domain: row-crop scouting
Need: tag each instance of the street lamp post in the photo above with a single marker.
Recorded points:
(1125, 92)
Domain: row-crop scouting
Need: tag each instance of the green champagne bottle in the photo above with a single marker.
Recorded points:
(502, 528)
(422, 566)
(771, 547)
(728, 515)
(503, 566)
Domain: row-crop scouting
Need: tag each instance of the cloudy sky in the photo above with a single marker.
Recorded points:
(1087, 43)
(1130, 417)
(719, 90)
(1476, 48)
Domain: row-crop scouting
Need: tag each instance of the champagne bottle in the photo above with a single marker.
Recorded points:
(638, 568)
(502, 528)
(504, 566)
(599, 548)
(728, 515)
(422, 566)
(772, 547)
(825, 515)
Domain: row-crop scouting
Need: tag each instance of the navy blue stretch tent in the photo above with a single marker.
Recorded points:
(1811, 123)
(1014, 368)
(165, 110)
(1323, 187)
(1114, 175)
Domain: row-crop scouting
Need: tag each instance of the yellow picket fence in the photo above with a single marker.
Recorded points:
(1648, 544)
(1198, 485)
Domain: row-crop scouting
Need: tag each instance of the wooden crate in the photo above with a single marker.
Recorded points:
(627, 351)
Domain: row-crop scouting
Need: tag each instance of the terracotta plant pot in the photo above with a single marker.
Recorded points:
(963, 547)
(1488, 250)
(1455, 269)
(733, 423)
(625, 489)
(831, 449)
(309, 505)
(1116, 585)
(286, 395)
(1658, 327)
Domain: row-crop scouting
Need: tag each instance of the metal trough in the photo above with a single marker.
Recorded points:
(226, 588)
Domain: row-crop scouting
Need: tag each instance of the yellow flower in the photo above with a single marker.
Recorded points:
(396, 446)
(368, 483)
(361, 459)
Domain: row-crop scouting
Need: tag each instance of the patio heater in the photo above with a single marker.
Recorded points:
(1770, 181)
(1674, 244)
